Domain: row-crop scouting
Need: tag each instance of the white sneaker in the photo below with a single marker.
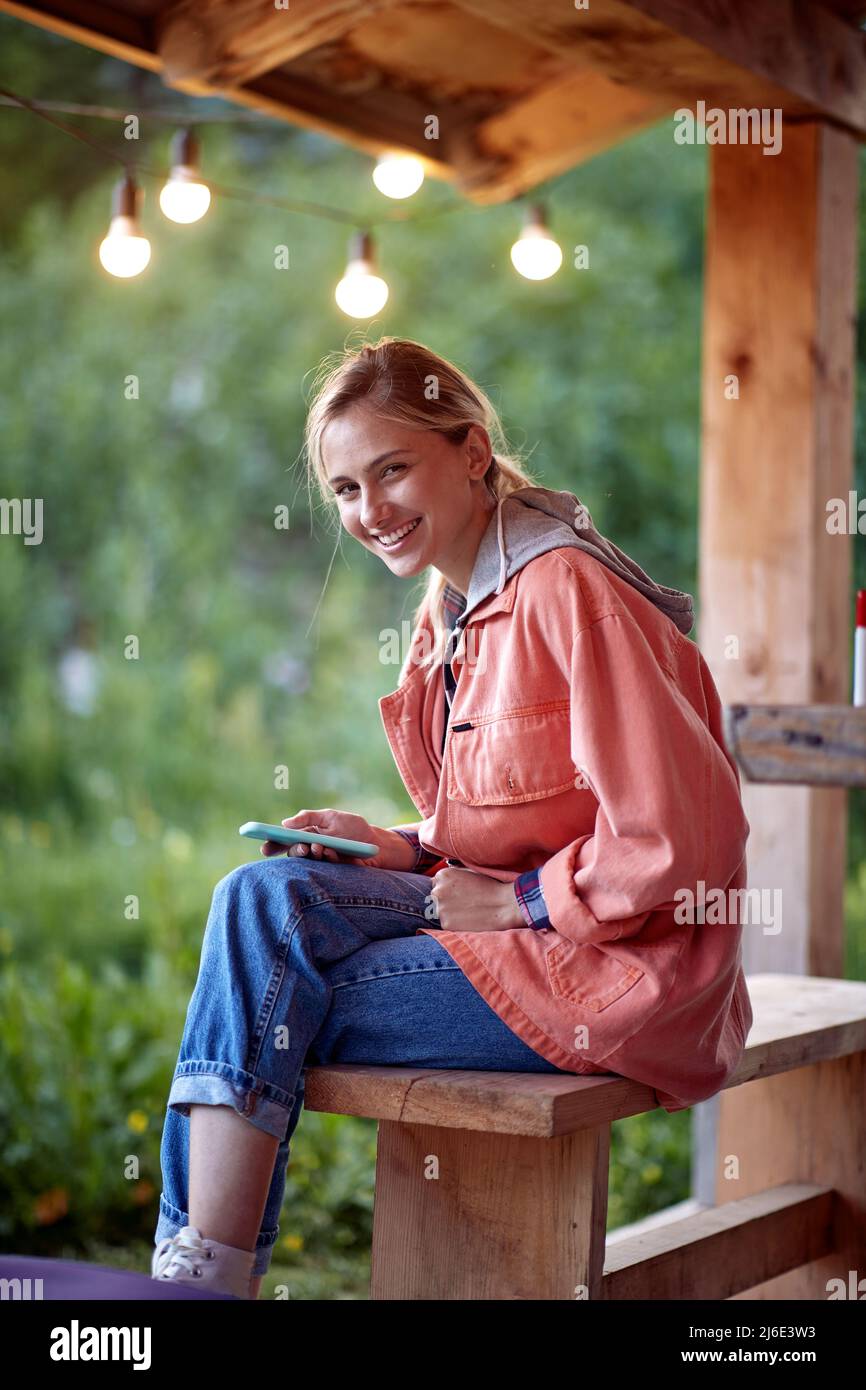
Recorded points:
(188, 1258)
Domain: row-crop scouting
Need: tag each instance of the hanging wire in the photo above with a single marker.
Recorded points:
(67, 129)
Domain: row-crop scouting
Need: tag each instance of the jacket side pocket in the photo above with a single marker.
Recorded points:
(588, 976)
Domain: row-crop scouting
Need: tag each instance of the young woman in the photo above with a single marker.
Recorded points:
(561, 739)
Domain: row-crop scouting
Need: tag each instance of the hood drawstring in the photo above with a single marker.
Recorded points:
(500, 537)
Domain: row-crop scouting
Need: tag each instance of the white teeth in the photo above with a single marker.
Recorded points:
(395, 535)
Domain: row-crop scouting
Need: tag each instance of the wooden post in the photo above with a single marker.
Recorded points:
(777, 446)
(779, 317)
(461, 1214)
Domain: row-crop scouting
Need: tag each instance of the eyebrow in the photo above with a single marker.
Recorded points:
(341, 477)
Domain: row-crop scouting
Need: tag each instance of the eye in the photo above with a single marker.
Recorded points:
(338, 492)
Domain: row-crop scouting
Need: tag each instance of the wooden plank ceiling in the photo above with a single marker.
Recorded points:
(522, 89)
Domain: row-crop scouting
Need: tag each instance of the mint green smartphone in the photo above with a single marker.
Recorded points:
(259, 830)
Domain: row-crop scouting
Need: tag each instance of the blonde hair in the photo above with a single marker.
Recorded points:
(408, 384)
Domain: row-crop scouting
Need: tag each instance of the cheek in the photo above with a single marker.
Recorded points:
(350, 522)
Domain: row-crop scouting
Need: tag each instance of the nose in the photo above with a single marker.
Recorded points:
(374, 511)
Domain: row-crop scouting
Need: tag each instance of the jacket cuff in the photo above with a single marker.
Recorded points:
(530, 898)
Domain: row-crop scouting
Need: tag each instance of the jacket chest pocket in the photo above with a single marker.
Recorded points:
(519, 755)
(588, 976)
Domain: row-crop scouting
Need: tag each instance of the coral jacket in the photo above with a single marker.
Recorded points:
(585, 740)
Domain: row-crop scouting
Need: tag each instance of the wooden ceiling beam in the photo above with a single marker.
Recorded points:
(548, 132)
(226, 43)
(626, 64)
(371, 121)
(102, 27)
(781, 53)
(799, 47)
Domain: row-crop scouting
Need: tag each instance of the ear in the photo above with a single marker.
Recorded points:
(478, 450)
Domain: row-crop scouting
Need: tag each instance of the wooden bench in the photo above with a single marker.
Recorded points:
(493, 1185)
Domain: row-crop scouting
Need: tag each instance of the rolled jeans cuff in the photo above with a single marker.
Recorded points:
(266, 1106)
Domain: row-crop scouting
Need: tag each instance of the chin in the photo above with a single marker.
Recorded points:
(407, 569)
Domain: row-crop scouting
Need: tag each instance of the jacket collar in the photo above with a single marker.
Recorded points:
(502, 602)
(456, 610)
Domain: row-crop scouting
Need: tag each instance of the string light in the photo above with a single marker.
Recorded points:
(535, 254)
(398, 175)
(246, 195)
(361, 292)
(125, 251)
(184, 198)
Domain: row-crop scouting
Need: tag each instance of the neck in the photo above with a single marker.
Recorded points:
(457, 569)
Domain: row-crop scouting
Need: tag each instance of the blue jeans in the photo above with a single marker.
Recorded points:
(306, 962)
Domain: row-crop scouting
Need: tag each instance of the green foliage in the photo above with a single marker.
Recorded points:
(124, 777)
(649, 1167)
(85, 1058)
(89, 1048)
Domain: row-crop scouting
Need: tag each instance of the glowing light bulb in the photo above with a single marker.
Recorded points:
(398, 175)
(184, 197)
(361, 292)
(125, 251)
(535, 254)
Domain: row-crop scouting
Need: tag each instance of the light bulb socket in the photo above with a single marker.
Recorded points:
(185, 149)
(535, 216)
(361, 247)
(126, 198)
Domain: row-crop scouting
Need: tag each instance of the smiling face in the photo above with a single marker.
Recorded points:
(410, 496)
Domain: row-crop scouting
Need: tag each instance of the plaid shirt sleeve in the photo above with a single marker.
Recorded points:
(530, 898)
(527, 887)
(424, 858)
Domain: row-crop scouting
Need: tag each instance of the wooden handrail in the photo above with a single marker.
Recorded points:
(810, 745)
(724, 1250)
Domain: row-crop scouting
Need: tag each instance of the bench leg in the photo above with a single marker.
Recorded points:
(807, 1125)
(461, 1214)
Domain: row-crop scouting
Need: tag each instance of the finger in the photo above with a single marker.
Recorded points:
(302, 850)
(322, 851)
(306, 819)
(300, 820)
(270, 847)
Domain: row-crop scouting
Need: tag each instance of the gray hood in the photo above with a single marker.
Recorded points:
(532, 520)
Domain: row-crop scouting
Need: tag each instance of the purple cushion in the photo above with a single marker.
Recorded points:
(68, 1280)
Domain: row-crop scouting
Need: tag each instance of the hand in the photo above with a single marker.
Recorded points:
(467, 901)
(395, 852)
